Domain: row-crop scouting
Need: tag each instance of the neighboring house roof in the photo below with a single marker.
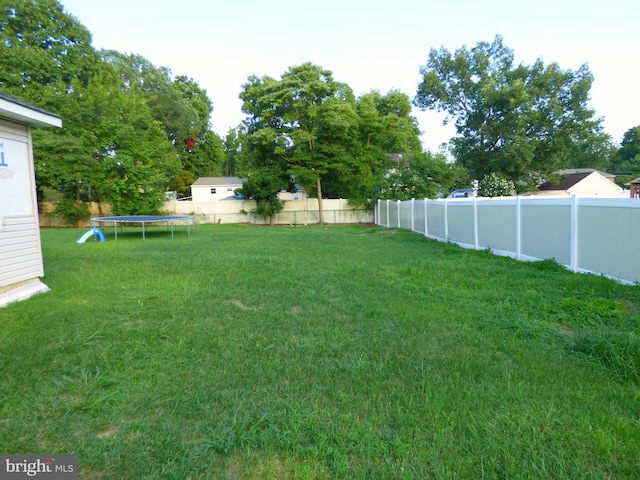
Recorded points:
(565, 182)
(637, 180)
(585, 182)
(22, 112)
(217, 181)
(571, 171)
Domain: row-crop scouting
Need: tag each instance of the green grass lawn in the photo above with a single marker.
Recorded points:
(310, 352)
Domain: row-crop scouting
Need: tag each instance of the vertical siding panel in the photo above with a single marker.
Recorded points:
(21, 259)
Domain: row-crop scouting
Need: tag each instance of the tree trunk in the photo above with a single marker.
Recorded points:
(320, 211)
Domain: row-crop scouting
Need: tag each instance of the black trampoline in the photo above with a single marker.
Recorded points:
(144, 220)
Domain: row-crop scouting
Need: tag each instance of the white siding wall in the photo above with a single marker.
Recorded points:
(595, 184)
(202, 193)
(20, 248)
(20, 253)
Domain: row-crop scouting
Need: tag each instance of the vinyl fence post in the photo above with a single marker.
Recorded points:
(413, 202)
(574, 233)
(446, 221)
(518, 228)
(376, 213)
(398, 203)
(426, 222)
(475, 223)
(388, 221)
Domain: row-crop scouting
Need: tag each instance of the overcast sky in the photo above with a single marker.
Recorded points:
(371, 45)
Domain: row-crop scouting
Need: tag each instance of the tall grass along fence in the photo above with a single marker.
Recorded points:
(585, 234)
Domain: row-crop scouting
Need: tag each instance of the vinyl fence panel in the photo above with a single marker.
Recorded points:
(546, 230)
(586, 234)
(461, 223)
(497, 228)
(609, 237)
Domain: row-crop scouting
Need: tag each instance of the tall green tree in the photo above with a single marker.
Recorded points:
(626, 160)
(264, 169)
(387, 130)
(232, 145)
(126, 122)
(262, 158)
(514, 120)
(398, 130)
(110, 151)
(321, 135)
(47, 59)
(202, 153)
(170, 103)
(309, 117)
(44, 52)
(319, 118)
(422, 175)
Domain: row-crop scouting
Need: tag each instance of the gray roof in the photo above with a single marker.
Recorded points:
(217, 181)
(571, 171)
(565, 182)
(20, 111)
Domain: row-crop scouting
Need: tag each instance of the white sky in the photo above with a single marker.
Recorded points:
(371, 45)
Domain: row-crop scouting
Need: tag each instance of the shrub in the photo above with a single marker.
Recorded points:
(71, 211)
(495, 185)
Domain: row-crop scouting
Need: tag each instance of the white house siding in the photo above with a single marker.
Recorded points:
(207, 189)
(14, 131)
(20, 248)
(595, 184)
(20, 251)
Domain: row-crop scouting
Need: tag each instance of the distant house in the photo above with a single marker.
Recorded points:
(571, 171)
(21, 264)
(581, 182)
(211, 189)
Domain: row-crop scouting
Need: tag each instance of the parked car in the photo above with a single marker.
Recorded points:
(463, 193)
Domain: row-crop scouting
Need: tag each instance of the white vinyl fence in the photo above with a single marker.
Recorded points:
(585, 234)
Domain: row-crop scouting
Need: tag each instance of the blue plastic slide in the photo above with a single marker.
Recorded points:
(94, 231)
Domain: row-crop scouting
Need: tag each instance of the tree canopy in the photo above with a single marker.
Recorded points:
(519, 121)
(422, 175)
(130, 129)
(307, 128)
(626, 160)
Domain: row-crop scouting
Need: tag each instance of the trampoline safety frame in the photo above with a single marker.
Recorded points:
(170, 221)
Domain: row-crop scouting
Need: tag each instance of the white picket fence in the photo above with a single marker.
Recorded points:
(585, 234)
